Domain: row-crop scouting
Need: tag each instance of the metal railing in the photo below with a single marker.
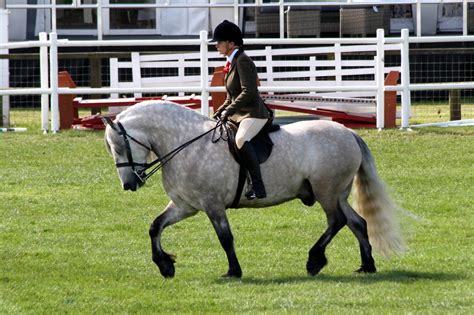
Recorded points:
(100, 6)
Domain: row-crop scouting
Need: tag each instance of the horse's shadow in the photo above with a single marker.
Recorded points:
(400, 276)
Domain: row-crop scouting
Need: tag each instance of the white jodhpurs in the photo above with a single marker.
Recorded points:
(248, 128)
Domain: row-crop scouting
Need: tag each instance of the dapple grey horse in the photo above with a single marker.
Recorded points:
(315, 161)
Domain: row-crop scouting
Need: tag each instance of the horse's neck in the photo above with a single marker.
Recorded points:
(174, 128)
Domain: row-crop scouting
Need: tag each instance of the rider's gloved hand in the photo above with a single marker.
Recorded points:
(217, 115)
(224, 115)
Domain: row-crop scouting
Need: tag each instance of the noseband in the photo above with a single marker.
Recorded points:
(160, 161)
(141, 175)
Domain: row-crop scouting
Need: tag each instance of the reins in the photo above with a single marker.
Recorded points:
(158, 163)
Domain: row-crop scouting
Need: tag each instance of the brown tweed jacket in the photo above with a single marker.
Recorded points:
(243, 99)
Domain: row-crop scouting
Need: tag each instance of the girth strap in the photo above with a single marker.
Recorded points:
(240, 186)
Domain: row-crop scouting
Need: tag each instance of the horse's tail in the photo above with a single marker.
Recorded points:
(372, 202)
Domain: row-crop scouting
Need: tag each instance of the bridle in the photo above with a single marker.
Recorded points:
(158, 163)
(141, 175)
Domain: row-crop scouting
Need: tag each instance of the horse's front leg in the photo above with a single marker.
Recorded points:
(221, 225)
(171, 215)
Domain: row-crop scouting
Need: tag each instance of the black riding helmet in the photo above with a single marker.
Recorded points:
(228, 31)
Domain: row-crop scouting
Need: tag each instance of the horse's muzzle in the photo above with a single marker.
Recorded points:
(133, 184)
(130, 186)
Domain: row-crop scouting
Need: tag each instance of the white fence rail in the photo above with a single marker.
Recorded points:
(52, 90)
(305, 67)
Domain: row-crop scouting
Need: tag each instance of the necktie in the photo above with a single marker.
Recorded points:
(227, 67)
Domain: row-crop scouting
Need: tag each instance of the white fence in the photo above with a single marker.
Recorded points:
(52, 90)
(306, 71)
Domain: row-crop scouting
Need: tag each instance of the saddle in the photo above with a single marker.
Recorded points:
(263, 145)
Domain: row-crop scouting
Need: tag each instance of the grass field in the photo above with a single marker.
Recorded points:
(71, 241)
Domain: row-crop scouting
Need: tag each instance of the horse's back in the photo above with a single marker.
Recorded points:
(322, 152)
(314, 139)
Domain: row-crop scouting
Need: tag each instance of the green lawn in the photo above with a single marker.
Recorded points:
(432, 113)
(71, 241)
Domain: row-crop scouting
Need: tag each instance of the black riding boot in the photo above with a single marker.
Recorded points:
(250, 160)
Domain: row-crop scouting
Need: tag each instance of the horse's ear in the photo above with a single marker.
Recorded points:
(108, 121)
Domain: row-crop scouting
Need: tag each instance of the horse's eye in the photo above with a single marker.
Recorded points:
(118, 150)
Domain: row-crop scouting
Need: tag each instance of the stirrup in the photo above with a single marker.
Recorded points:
(250, 195)
(256, 193)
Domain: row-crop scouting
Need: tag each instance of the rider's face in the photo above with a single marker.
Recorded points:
(225, 47)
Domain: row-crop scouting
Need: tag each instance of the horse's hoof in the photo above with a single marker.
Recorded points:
(314, 267)
(166, 266)
(167, 270)
(314, 270)
(364, 269)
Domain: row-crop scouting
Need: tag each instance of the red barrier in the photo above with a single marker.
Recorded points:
(390, 100)
(66, 111)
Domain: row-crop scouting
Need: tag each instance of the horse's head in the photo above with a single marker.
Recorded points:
(130, 153)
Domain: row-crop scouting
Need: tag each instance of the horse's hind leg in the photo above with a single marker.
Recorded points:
(336, 221)
(221, 225)
(171, 215)
(358, 226)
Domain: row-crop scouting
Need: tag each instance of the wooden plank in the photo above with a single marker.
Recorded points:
(136, 72)
(96, 78)
(454, 105)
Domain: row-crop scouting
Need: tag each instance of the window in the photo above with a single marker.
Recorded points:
(141, 18)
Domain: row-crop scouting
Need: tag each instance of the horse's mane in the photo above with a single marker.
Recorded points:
(157, 109)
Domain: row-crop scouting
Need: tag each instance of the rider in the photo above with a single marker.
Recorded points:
(243, 104)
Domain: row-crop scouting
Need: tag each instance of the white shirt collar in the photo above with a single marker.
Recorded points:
(232, 55)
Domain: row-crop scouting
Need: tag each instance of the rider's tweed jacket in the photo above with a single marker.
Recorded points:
(243, 99)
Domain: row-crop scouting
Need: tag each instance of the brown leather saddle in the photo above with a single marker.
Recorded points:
(263, 145)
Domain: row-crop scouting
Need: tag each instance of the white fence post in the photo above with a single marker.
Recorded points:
(181, 70)
(465, 7)
(379, 78)
(114, 77)
(418, 18)
(312, 71)
(44, 69)
(236, 12)
(136, 72)
(4, 70)
(53, 59)
(54, 16)
(338, 63)
(99, 20)
(204, 74)
(282, 19)
(405, 79)
(269, 65)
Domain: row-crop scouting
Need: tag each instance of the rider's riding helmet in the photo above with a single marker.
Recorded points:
(228, 31)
